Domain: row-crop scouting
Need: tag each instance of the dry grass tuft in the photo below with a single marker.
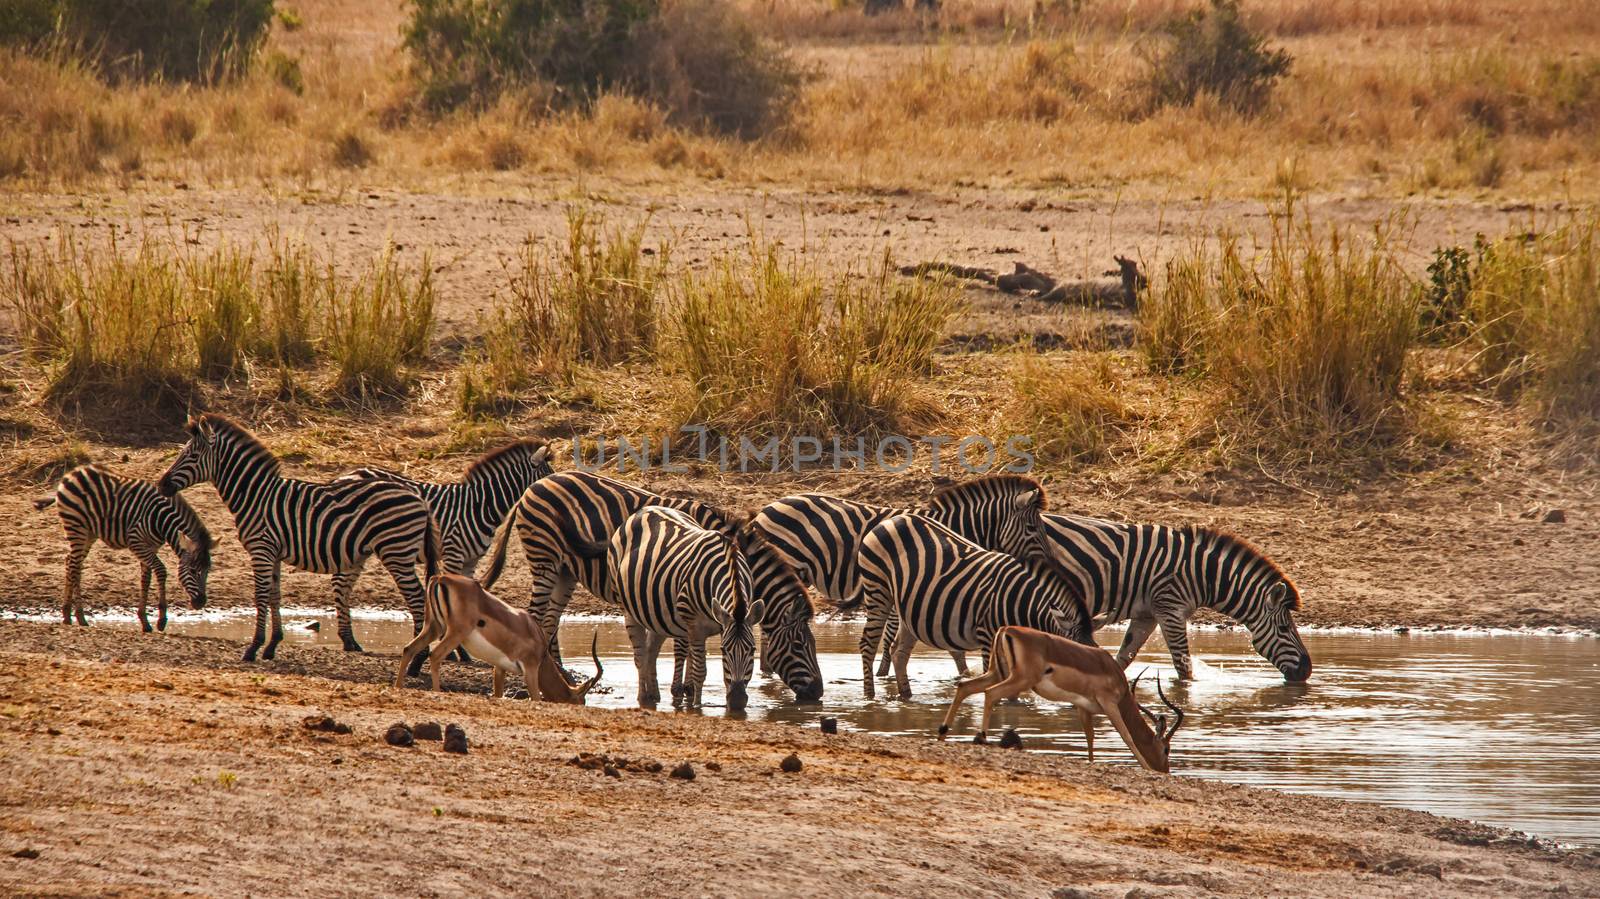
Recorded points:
(1072, 408)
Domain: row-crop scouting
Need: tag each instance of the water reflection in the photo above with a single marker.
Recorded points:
(1499, 729)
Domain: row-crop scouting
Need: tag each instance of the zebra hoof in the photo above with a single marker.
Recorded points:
(268, 653)
(145, 626)
(944, 730)
(161, 625)
(352, 646)
(250, 654)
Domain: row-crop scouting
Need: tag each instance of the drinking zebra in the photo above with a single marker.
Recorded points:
(953, 594)
(1154, 575)
(819, 535)
(675, 578)
(328, 528)
(468, 512)
(596, 506)
(128, 513)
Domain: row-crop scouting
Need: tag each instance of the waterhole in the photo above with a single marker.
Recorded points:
(1497, 728)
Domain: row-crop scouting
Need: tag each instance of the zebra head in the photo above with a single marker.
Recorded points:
(738, 631)
(1272, 631)
(788, 648)
(999, 511)
(194, 566)
(196, 462)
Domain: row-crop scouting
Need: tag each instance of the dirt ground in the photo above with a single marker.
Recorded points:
(159, 766)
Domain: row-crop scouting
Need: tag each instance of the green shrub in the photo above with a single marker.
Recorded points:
(285, 69)
(176, 40)
(696, 59)
(1214, 52)
(1534, 306)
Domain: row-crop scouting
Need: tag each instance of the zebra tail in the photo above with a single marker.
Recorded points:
(497, 556)
(42, 504)
(581, 546)
(852, 604)
(431, 549)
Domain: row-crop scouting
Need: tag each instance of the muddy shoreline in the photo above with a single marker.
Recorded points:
(160, 765)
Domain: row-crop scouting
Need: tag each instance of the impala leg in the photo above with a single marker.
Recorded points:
(1086, 724)
(402, 566)
(1011, 687)
(413, 649)
(965, 689)
(499, 688)
(437, 654)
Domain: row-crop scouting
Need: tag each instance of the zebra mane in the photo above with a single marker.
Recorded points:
(741, 603)
(752, 538)
(1010, 483)
(527, 444)
(1228, 539)
(246, 440)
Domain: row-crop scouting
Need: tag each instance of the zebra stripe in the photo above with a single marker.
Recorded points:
(953, 594)
(675, 578)
(1159, 576)
(819, 535)
(595, 506)
(468, 511)
(328, 528)
(128, 513)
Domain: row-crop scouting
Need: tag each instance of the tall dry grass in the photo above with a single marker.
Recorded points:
(1306, 340)
(769, 346)
(1534, 311)
(1073, 408)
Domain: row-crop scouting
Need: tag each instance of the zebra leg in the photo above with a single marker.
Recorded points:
(696, 682)
(680, 659)
(161, 596)
(343, 583)
(552, 590)
(144, 596)
(402, 567)
(905, 641)
(871, 633)
(72, 598)
(265, 573)
(1139, 630)
(271, 648)
(646, 646)
(960, 658)
(890, 629)
(1176, 632)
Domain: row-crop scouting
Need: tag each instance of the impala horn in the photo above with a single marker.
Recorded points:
(1178, 722)
(594, 653)
(1156, 721)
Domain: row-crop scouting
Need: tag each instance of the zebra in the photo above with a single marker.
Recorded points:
(324, 528)
(1155, 575)
(468, 512)
(953, 594)
(675, 578)
(596, 506)
(129, 513)
(819, 535)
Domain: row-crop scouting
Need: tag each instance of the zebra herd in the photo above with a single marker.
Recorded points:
(978, 557)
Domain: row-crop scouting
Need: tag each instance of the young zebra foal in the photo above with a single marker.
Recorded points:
(468, 512)
(953, 594)
(459, 612)
(677, 579)
(128, 513)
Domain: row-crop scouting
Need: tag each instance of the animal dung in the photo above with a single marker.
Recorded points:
(607, 764)
(324, 724)
(713, 766)
(829, 725)
(790, 764)
(399, 734)
(428, 730)
(455, 739)
(611, 771)
(1011, 739)
(683, 771)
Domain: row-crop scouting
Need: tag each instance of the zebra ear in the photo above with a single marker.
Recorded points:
(1028, 499)
(1278, 593)
(187, 545)
(541, 454)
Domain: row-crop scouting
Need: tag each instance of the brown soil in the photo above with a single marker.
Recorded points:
(153, 766)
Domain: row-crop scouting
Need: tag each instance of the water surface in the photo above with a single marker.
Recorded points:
(1499, 728)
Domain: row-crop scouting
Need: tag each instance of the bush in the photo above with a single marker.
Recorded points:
(176, 40)
(697, 59)
(1214, 52)
(223, 309)
(1534, 306)
(770, 348)
(1307, 342)
(379, 323)
(1072, 411)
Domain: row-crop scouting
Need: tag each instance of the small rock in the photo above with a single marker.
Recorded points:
(652, 766)
(1011, 739)
(338, 760)
(1555, 516)
(790, 764)
(324, 724)
(428, 730)
(25, 853)
(455, 739)
(830, 725)
(1519, 542)
(399, 734)
(713, 766)
(684, 771)
(1431, 870)
(1070, 893)
(611, 771)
